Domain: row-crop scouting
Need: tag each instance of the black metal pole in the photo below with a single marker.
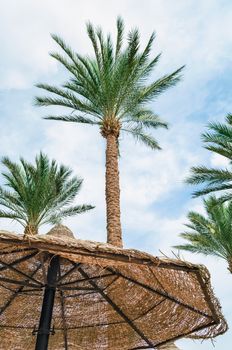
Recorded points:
(44, 329)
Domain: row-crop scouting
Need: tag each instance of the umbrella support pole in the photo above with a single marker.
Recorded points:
(44, 329)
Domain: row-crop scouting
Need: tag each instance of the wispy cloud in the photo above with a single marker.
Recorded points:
(155, 200)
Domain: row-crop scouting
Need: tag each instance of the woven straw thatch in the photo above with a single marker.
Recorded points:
(107, 298)
(169, 346)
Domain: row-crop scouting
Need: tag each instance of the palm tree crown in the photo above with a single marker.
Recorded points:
(210, 234)
(111, 90)
(39, 194)
(218, 140)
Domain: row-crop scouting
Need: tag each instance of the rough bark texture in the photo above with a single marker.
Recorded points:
(114, 231)
(169, 346)
(230, 264)
(30, 230)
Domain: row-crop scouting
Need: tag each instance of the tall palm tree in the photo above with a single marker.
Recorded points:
(39, 194)
(218, 140)
(112, 90)
(210, 234)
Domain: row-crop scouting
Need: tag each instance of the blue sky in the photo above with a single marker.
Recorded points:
(155, 200)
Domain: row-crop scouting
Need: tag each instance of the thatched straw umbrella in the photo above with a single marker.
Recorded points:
(98, 296)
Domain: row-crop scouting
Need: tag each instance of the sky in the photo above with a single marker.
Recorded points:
(154, 198)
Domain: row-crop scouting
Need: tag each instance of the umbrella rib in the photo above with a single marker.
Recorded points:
(76, 288)
(155, 277)
(86, 279)
(211, 306)
(31, 290)
(11, 290)
(150, 309)
(21, 283)
(108, 285)
(13, 296)
(18, 261)
(185, 334)
(98, 325)
(80, 294)
(21, 273)
(68, 272)
(94, 290)
(164, 294)
(117, 309)
(15, 251)
(15, 327)
(64, 320)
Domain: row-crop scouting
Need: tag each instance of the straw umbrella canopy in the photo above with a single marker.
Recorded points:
(169, 346)
(105, 297)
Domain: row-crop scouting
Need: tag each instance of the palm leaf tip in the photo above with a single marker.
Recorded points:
(72, 118)
(188, 247)
(39, 101)
(120, 22)
(54, 36)
(180, 246)
(120, 30)
(176, 76)
(148, 140)
(58, 39)
(229, 118)
(86, 207)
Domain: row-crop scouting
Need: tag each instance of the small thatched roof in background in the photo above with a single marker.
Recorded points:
(108, 298)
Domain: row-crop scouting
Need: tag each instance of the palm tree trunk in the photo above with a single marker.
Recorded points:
(112, 192)
(30, 230)
(230, 264)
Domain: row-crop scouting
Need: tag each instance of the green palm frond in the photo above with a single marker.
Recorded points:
(35, 194)
(64, 47)
(229, 119)
(159, 86)
(224, 150)
(73, 118)
(71, 211)
(218, 132)
(120, 31)
(113, 83)
(218, 139)
(212, 189)
(146, 118)
(211, 234)
(144, 57)
(212, 176)
(92, 37)
(10, 215)
(147, 139)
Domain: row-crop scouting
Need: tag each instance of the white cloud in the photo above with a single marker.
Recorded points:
(195, 33)
(181, 28)
(219, 161)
